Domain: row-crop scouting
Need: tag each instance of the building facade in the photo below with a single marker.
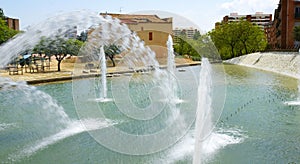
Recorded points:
(12, 23)
(154, 31)
(187, 32)
(258, 18)
(286, 17)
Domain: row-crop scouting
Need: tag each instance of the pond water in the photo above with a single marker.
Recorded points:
(255, 126)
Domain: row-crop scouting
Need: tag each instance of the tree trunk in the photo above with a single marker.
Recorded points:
(112, 60)
(245, 46)
(232, 51)
(58, 65)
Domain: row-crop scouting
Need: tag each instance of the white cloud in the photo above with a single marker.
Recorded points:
(250, 6)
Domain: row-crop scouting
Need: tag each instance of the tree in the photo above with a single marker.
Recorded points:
(5, 32)
(183, 46)
(83, 36)
(238, 38)
(296, 33)
(197, 35)
(59, 47)
(2, 16)
(110, 51)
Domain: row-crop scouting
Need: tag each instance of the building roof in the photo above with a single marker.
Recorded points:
(236, 15)
(135, 18)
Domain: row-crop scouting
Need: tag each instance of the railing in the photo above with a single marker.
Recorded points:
(297, 15)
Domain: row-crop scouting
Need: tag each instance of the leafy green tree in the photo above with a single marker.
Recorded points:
(83, 36)
(110, 51)
(183, 47)
(296, 33)
(206, 48)
(59, 47)
(5, 32)
(41, 47)
(197, 35)
(2, 16)
(238, 38)
(226, 38)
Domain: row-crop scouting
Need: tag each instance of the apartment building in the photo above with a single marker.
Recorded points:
(286, 17)
(258, 18)
(187, 32)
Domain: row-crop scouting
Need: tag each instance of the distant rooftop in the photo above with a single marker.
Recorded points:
(256, 14)
(135, 18)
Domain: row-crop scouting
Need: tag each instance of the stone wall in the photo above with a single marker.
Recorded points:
(286, 63)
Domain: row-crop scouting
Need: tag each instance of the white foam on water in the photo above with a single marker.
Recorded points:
(102, 100)
(4, 126)
(74, 128)
(292, 103)
(219, 139)
(211, 145)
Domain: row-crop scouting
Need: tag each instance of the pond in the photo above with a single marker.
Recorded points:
(256, 126)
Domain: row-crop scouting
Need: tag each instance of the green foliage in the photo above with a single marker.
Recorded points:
(59, 47)
(196, 48)
(197, 35)
(73, 46)
(296, 33)
(5, 32)
(238, 38)
(110, 51)
(83, 36)
(2, 16)
(183, 47)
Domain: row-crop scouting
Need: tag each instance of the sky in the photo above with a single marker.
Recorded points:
(203, 13)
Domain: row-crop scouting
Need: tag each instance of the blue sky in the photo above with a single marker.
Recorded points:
(203, 13)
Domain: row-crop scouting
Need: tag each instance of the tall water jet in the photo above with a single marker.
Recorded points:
(103, 73)
(102, 83)
(297, 101)
(171, 67)
(203, 118)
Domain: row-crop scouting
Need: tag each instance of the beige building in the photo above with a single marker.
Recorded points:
(154, 31)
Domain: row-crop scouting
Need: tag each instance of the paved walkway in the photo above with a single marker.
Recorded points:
(67, 72)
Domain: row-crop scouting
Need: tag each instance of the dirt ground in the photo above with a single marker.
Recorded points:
(67, 69)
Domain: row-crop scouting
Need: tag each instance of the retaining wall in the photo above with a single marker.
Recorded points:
(286, 63)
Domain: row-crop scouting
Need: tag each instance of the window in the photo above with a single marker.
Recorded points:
(142, 28)
(297, 12)
(150, 36)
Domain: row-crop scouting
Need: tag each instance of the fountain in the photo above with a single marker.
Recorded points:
(203, 119)
(103, 91)
(39, 121)
(171, 68)
(297, 101)
(124, 126)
